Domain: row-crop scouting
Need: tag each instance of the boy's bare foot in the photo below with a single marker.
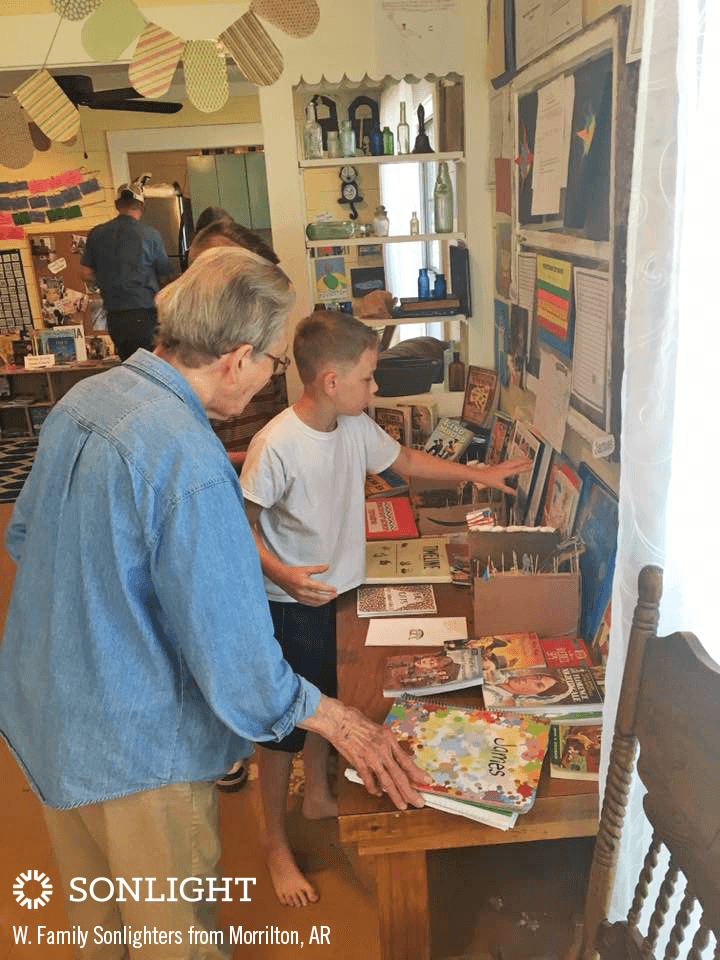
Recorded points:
(292, 887)
(319, 808)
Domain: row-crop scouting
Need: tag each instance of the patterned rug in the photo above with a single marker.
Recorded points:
(16, 459)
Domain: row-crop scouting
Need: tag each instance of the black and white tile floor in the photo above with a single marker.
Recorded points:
(16, 459)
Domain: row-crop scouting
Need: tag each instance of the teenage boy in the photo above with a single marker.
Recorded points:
(303, 482)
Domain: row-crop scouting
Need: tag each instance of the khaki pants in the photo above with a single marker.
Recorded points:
(170, 832)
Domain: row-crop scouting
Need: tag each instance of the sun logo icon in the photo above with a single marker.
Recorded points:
(39, 892)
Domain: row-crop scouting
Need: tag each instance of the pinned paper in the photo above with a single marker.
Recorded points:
(297, 18)
(252, 49)
(75, 9)
(38, 186)
(16, 148)
(111, 29)
(40, 141)
(156, 58)
(206, 79)
(45, 102)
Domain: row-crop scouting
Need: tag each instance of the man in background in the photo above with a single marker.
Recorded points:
(128, 262)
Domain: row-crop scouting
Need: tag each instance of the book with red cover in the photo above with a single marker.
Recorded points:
(565, 652)
(389, 517)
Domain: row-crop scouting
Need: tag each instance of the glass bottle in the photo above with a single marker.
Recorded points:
(312, 135)
(381, 224)
(333, 143)
(456, 374)
(403, 132)
(376, 142)
(423, 284)
(443, 198)
(347, 139)
(414, 224)
(388, 142)
(440, 287)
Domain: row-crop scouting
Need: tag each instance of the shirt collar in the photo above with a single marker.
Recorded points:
(154, 367)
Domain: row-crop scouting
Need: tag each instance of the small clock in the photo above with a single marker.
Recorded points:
(349, 190)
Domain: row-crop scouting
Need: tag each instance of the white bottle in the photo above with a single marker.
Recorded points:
(312, 135)
(414, 224)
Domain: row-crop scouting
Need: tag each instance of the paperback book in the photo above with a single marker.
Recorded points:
(387, 483)
(575, 747)
(500, 431)
(422, 560)
(395, 601)
(543, 690)
(565, 651)
(423, 420)
(449, 440)
(431, 672)
(396, 421)
(530, 486)
(480, 394)
(415, 631)
(389, 517)
(561, 497)
(507, 651)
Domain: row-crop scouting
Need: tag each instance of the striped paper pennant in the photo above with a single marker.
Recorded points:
(206, 79)
(45, 102)
(156, 58)
(252, 49)
(297, 18)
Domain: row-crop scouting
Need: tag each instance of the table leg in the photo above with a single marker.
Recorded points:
(402, 898)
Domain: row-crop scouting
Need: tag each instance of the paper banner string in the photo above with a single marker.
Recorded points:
(252, 49)
(206, 79)
(297, 18)
(75, 9)
(16, 148)
(48, 106)
(155, 60)
(111, 29)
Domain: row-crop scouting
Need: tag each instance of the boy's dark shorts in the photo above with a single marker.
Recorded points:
(308, 641)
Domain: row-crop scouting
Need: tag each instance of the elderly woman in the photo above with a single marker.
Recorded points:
(139, 659)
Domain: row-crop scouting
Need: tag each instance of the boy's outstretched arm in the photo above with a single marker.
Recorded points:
(418, 463)
(295, 581)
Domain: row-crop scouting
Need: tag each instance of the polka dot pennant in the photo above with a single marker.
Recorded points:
(111, 29)
(156, 57)
(206, 79)
(47, 105)
(252, 49)
(16, 148)
(297, 18)
(75, 9)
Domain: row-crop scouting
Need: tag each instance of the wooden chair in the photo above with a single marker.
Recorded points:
(670, 707)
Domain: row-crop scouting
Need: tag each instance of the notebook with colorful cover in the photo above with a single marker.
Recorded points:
(430, 672)
(473, 755)
(422, 560)
(389, 517)
(396, 601)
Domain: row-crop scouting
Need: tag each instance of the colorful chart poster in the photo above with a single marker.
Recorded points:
(552, 305)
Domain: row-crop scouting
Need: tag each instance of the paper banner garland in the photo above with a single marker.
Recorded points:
(155, 60)
(111, 29)
(206, 79)
(297, 18)
(75, 9)
(16, 148)
(45, 102)
(252, 49)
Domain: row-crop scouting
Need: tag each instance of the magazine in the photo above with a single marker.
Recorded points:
(432, 671)
(543, 690)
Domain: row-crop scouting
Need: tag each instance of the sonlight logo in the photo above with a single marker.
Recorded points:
(32, 889)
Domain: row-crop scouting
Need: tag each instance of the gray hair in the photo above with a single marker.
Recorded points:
(228, 297)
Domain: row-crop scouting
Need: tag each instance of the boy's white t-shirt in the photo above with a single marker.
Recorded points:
(312, 486)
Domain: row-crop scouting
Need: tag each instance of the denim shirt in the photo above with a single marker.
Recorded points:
(138, 649)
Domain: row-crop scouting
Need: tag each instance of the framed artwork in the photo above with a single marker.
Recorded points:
(331, 282)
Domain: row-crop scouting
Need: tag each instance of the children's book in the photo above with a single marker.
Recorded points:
(543, 690)
(507, 651)
(431, 672)
(415, 631)
(530, 486)
(386, 483)
(396, 421)
(395, 601)
(561, 497)
(423, 560)
(480, 395)
(500, 431)
(389, 517)
(472, 754)
(575, 747)
(565, 651)
(449, 440)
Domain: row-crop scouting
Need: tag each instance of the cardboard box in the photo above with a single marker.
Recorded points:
(543, 603)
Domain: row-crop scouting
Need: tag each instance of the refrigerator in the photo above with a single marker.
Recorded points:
(170, 213)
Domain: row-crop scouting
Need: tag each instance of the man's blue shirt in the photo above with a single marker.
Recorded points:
(128, 259)
(138, 649)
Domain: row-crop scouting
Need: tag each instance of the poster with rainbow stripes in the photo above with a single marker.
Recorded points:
(553, 315)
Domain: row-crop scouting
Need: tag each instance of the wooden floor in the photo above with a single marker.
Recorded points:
(515, 900)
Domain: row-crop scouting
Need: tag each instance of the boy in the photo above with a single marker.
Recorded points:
(303, 481)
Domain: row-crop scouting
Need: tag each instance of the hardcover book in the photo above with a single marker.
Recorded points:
(449, 440)
(480, 394)
(543, 690)
(423, 560)
(423, 420)
(395, 601)
(396, 421)
(389, 517)
(500, 431)
(432, 671)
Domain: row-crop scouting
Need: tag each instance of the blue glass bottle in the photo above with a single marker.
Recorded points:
(423, 284)
(440, 288)
(376, 142)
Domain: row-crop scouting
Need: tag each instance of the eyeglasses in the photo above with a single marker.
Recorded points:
(280, 364)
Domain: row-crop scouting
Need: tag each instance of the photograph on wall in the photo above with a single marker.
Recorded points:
(331, 282)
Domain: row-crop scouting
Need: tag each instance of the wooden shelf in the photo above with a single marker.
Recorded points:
(455, 157)
(397, 321)
(371, 241)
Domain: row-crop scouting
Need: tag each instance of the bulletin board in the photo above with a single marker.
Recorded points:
(573, 114)
(64, 297)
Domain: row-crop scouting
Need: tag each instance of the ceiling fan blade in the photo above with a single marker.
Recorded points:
(137, 106)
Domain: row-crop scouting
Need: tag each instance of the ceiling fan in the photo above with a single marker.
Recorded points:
(79, 89)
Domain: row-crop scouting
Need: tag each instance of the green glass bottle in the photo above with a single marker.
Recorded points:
(443, 200)
(388, 142)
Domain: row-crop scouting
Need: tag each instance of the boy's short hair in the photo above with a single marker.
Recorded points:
(330, 336)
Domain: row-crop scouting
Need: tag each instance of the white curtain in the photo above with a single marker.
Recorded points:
(672, 334)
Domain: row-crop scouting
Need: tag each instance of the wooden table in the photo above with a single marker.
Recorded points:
(396, 842)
